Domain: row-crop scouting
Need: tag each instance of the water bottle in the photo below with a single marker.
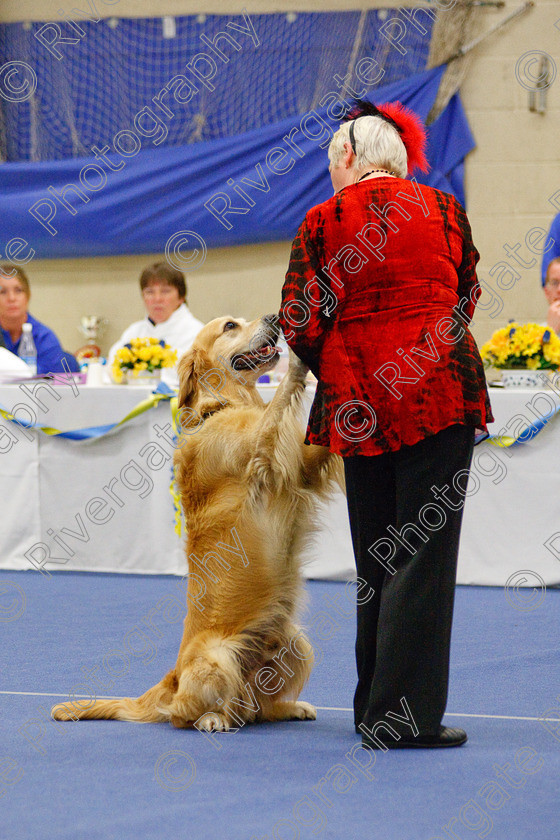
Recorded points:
(27, 350)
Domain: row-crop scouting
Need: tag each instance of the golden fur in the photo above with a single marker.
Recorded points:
(248, 489)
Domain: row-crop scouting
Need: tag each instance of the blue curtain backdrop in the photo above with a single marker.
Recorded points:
(94, 167)
(160, 192)
(93, 78)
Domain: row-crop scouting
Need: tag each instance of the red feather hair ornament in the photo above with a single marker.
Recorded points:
(407, 123)
(412, 131)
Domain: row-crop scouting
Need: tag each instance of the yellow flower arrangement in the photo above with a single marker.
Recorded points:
(525, 346)
(142, 354)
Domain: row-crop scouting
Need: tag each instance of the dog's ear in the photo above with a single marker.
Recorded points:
(187, 376)
(191, 366)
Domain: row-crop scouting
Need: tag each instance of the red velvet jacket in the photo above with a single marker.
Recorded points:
(379, 291)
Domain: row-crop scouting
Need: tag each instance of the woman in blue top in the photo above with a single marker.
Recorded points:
(14, 299)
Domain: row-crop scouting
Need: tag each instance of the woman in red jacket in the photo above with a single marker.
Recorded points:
(379, 292)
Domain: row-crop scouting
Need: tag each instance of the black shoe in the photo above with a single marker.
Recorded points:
(446, 737)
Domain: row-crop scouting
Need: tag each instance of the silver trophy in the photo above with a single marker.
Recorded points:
(91, 327)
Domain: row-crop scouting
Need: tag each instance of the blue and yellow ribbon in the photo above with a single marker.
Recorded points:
(527, 434)
(162, 392)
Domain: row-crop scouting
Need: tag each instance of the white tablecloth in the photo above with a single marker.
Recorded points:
(514, 508)
(105, 505)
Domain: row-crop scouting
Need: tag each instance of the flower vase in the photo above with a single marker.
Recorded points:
(143, 378)
(524, 378)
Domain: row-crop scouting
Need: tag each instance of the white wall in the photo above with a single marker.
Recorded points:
(516, 165)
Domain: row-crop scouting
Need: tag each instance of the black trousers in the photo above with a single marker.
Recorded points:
(405, 511)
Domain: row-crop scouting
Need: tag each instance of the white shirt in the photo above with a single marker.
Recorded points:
(179, 331)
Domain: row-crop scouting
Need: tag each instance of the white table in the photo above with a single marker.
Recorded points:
(104, 505)
(516, 508)
(107, 501)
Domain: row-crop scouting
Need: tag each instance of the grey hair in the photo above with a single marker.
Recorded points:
(378, 144)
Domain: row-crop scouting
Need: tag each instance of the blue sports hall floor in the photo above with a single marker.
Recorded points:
(106, 780)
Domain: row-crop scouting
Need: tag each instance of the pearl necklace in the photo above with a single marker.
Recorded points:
(371, 171)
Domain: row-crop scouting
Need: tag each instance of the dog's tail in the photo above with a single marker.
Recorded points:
(149, 708)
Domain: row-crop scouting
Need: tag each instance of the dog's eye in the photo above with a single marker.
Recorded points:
(230, 325)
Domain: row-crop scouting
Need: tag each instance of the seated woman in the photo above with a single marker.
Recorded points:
(14, 299)
(164, 292)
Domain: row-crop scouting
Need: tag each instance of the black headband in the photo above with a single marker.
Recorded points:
(362, 108)
(352, 137)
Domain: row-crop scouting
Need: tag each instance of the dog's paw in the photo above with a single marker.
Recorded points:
(290, 710)
(304, 711)
(297, 369)
(213, 722)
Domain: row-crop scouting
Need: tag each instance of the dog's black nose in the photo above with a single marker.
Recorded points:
(271, 319)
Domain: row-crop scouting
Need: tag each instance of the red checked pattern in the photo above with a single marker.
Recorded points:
(379, 291)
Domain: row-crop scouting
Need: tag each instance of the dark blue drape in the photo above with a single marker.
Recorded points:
(159, 193)
(93, 79)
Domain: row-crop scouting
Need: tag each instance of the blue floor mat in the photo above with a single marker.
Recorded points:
(107, 780)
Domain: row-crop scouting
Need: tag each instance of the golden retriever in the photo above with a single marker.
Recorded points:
(248, 489)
